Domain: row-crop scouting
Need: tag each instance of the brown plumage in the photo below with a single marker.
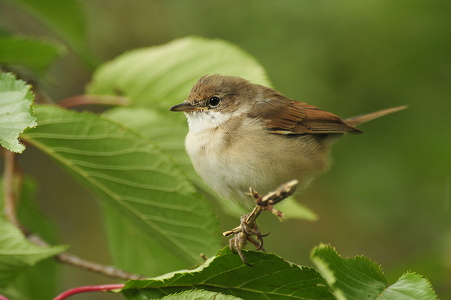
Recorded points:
(285, 116)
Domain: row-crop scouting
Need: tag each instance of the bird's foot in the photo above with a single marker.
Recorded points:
(248, 230)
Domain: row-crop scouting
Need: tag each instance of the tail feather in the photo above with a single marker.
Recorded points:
(353, 121)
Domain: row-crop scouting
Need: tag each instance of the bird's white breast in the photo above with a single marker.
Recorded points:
(210, 145)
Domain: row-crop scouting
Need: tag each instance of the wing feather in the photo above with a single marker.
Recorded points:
(285, 116)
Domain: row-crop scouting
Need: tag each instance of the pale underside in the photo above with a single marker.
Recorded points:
(232, 156)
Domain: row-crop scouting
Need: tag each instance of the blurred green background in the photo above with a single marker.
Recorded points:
(388, 194)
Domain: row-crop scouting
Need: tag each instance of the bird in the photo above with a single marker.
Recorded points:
(244, 135)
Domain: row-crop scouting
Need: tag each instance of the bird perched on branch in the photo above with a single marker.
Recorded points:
(245, 135)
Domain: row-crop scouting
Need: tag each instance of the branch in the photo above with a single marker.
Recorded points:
(93, 99)
(248, 227)
(266, 203)
(73, 260)
(109, 271)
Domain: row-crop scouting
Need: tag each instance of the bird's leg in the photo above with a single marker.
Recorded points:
(248, 226)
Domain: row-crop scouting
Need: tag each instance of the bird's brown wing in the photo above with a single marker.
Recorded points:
(285, 116)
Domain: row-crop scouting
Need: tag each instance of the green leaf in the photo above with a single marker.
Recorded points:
(294, 210)
(143, 252)
(268, 277)
(32, 282)
(162, 76)
(31, 53)
(352, 278)
(140, 184)
(199, 294)
(17, 253)
(16, 113)
(409, 286)
(66, 18)
(13, 293)
(150, 123)
(362, 278)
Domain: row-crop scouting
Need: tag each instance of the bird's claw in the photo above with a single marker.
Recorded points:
(248, 228)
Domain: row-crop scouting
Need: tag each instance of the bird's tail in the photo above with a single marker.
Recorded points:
(353, 121)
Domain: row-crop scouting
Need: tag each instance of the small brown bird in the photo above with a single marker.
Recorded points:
(245, 135)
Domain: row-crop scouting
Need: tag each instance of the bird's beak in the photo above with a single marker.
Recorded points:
(186, 107)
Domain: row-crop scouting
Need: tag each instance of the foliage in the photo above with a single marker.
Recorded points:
(361, 278)
(152, 77)
(271, 277)
(145, 194)
(157, 212)
(18, 254)
(70, 26)
(16, 113)
(199, 294)
(36, 55)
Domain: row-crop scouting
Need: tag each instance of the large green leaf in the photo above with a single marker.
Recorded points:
(140, 184)
(34, 54)
(199, 295)
(162, 76)
(66, 18)
(168, 133)
(16, 113)
(361, 278)
(269, 276)
(409, 286)
(17, 254)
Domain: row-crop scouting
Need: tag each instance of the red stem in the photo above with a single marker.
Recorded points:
(87, 289)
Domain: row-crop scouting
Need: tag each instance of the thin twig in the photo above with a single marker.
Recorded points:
(93, 99)
(266, 203)
(73, 260)
(109, 271)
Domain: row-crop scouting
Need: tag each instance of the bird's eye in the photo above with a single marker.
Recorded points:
(214, 101)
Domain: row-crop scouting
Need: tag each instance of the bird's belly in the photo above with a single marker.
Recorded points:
(218, 168)
(232, 168)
